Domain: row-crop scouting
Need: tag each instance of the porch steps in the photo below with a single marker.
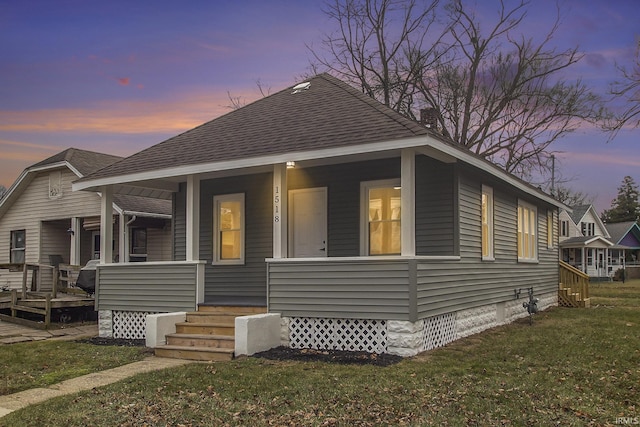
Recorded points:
(566, 298)
(207, 335)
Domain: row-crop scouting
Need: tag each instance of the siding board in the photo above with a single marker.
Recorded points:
(147, 287)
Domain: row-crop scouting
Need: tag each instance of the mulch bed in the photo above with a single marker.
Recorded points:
(284, 353)
(121, 342)
(332, 356)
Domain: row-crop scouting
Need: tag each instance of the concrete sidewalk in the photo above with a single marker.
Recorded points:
(11, 333)
(13, 402)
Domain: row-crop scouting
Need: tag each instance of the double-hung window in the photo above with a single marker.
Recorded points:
(381, 220)
(487, 223)
(18, 244)
(551, 235)
(229, 226)
(527, 232)
(138, 245)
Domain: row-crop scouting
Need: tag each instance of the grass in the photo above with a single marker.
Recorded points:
(39, 364)
(573, 367)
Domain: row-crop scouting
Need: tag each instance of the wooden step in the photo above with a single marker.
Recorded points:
(199, 340)
(211, 318)
(236, 310)
(205, 328)
(194, 353)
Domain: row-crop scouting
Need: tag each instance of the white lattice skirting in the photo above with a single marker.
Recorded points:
(438, 331)
(371, 335)
(130, 325)
(338, 334)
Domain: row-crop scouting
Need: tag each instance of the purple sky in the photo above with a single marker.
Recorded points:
(119, 76)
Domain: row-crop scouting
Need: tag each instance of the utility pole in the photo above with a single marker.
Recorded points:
(553, 174)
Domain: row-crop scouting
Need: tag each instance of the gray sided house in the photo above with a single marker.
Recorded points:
(43, 222)
(362, 229)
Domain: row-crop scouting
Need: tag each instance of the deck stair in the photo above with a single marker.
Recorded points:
(208, 334)
(573, 290)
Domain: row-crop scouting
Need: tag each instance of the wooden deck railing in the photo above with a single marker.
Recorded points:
(575, 280)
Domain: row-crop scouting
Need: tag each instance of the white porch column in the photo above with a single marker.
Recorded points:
(408, 206)
(193, 218)
(106, 225)
(74, 255)
(123, 241)
(280, 209)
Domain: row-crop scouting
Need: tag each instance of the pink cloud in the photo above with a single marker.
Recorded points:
(123, 81)
(602, 158)
(127, 117)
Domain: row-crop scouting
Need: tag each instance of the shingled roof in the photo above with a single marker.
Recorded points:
(327, 114)
(320, 118)
(85, 162)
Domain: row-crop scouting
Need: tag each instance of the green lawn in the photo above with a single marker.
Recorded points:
(573, 367)
(38, 364)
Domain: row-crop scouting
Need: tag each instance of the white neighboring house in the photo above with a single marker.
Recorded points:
(43, 222)
(585, 243)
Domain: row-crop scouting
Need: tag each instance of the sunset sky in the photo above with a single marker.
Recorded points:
(119, 76)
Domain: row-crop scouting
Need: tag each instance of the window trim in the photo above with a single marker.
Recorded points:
(522, 205)
(551, 236)
(13, 249)
(132, 254)
(490, 256)
(365, 186)
(236, 197)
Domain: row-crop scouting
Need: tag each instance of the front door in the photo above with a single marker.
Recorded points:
(308, 223)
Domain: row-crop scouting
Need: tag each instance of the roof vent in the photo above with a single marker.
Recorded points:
(301, 87)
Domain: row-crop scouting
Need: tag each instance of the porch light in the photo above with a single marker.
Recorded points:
(291, 164)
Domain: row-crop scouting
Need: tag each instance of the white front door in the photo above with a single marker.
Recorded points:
(308, 223)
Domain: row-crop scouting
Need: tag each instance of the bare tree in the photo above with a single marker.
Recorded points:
(3, 191)
(572, 198)
(377, 45)
(628, 91)
(236, 102)
(496, 92)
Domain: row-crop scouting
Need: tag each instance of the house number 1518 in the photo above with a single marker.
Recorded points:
(276, 204)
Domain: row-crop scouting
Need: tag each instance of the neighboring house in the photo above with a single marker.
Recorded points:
(43, 222)
(362, 229)
(586, 243)
(626, 234)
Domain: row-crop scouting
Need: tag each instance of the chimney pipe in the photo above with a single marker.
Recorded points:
(429, 118)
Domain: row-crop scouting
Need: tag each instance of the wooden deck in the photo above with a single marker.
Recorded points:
(39, 304)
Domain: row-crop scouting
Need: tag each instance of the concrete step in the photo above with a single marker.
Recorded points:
(194, 353)
(201, 340)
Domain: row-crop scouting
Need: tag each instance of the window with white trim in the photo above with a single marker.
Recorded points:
(228, 229)
(564, 228)
(588, 229)
(138, 250)
(551, 236)
(381, 206)
(18, 245)
(527, 232)
(487, 223)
